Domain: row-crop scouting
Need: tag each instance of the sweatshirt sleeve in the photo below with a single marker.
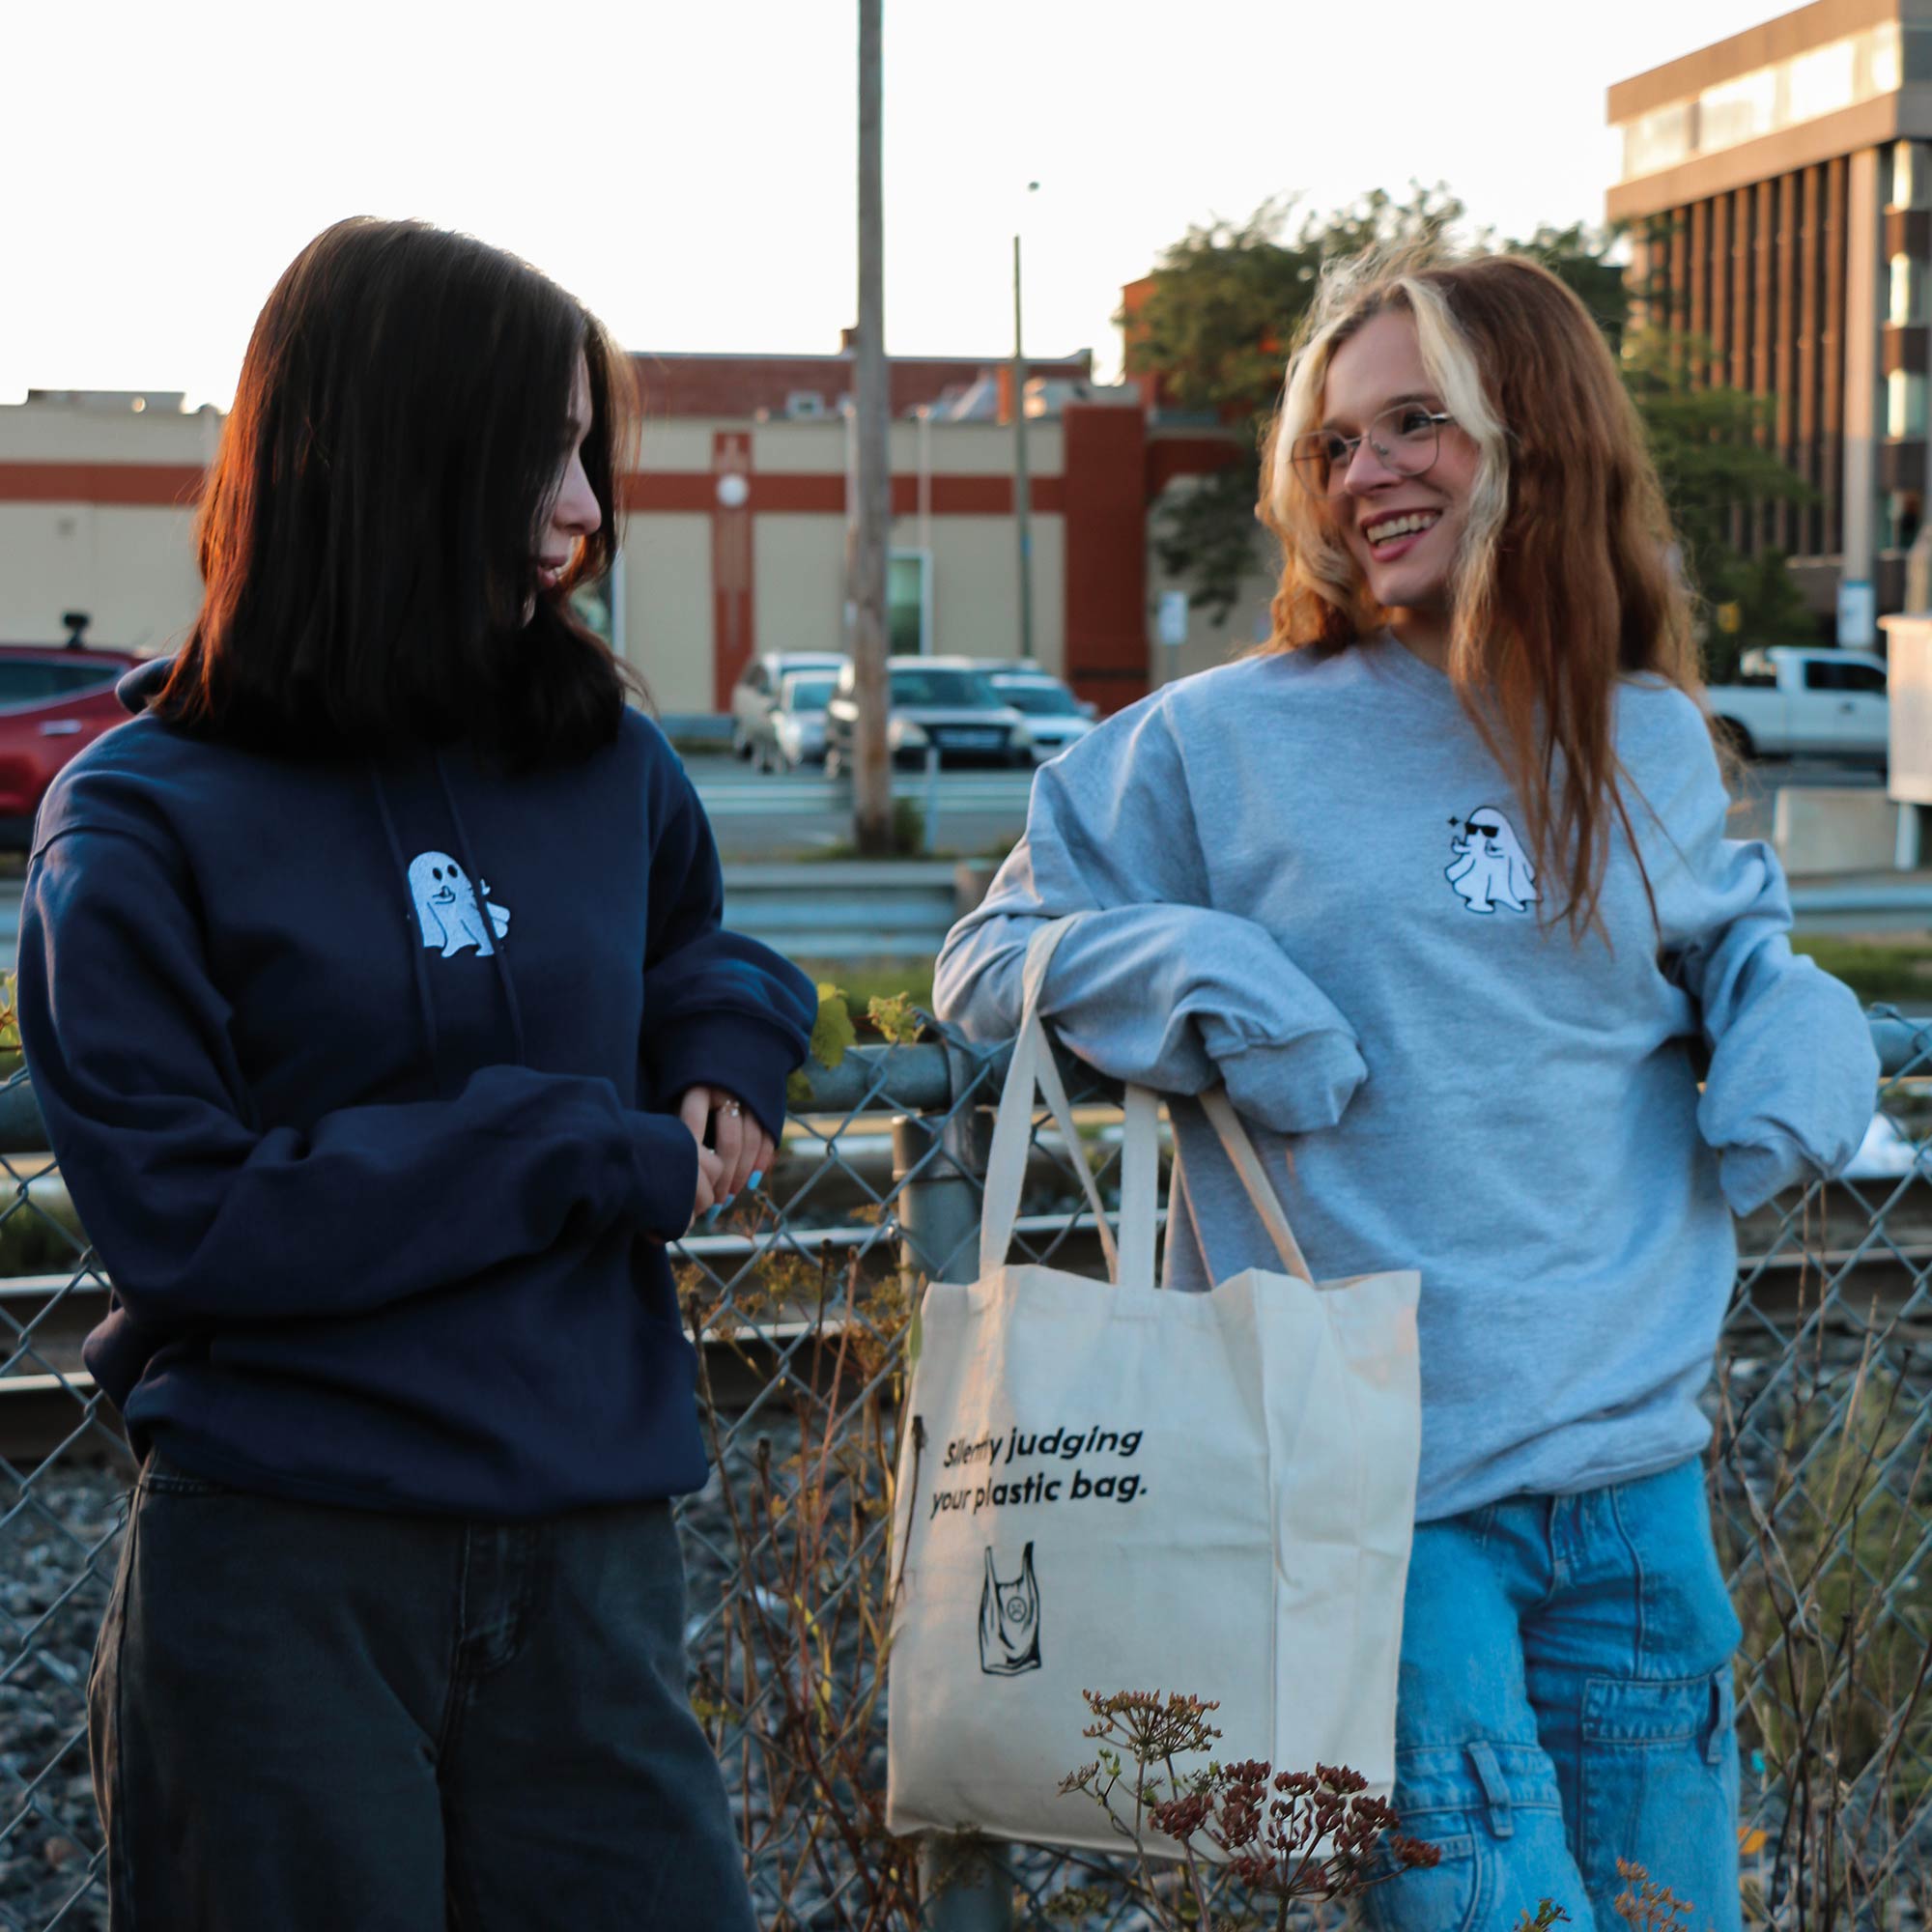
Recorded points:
(1793, 1074)
(200, 1215)
(1155, 985)
(720, 1010)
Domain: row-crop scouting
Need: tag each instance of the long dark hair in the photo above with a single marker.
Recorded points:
(369, 533)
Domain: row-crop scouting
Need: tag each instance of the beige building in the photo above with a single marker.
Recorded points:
(96, 509)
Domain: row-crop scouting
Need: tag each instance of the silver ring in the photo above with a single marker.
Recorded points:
(732, 1107)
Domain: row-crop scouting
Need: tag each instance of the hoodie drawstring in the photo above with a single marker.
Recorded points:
(488, 926)
(424, 1005)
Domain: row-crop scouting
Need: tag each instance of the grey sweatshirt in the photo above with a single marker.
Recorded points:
(1306, 879)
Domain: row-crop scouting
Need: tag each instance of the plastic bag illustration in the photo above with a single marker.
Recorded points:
(1009, 1620)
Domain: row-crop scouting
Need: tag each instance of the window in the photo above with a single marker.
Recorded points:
(1883, 50)
(806, 693)
(1822, 674)
(1904, 404)
(966, 689)
(72, 678)
(1910, 178)
(1822, 80)
(1904, 512)
(1039, 700)
(1907, 292)
(908, 574)
(39, 683)
(1657, 140)
(1739, 110)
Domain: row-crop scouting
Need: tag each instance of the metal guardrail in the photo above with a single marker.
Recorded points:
(1865, 905)
(1817, 1485)
(737, 794)
(829, 909)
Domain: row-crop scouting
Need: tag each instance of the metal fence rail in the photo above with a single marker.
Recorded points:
(1818, 1478)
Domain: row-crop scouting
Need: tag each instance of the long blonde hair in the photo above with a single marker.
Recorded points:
(1564, 581)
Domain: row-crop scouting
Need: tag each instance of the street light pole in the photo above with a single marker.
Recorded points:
(1022, 484)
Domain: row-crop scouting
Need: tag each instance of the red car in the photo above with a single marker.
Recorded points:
(52, 701)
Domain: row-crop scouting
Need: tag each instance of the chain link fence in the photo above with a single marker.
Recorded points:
(801, 1304)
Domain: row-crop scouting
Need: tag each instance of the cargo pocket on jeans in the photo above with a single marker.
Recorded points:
(1446, 1897)
(1658, 1776)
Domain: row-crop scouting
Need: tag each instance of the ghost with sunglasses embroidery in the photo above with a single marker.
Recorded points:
(1490, 867)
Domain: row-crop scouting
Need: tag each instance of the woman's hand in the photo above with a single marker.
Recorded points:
(710, 1169)
(743, 1147)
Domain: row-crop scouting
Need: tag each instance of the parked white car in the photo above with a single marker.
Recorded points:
(758, 689)
(1789, 701)
(1054, 716)
(792, 731)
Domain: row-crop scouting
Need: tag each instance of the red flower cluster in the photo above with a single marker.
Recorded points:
(1306, 1834)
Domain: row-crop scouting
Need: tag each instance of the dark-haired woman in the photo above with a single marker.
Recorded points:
(373, 992)
(1438, 883)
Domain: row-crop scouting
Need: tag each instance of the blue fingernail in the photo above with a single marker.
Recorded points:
(727, 1201)
(710, 1215)
(757, 1174)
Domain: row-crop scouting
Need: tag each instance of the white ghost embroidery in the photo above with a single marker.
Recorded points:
(1490, 867)
(446, 907)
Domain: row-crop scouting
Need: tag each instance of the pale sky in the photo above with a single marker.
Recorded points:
(687, 169)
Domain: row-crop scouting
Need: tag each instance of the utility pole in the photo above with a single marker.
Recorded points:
(868, 516)
(1022, 483)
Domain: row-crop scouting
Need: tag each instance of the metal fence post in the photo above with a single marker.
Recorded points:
(964, 1881)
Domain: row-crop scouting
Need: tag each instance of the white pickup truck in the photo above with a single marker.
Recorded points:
(1793, 703)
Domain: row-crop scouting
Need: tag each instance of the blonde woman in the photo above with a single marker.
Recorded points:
(1437, 884)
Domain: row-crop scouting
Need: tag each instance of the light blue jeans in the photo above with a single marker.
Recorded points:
(1565, 1701)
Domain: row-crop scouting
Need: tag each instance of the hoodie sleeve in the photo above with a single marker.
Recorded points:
(1793, 1074)
(1155, 985)
(720, 1010)
(201, 1217)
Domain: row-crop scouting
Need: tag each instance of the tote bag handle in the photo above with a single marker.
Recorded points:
(1033, 1066)
(1261, 1197)
(1130, 1263)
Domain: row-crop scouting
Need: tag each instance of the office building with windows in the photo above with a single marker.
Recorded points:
(1778, 186)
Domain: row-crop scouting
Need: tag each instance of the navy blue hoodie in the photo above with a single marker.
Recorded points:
(375, 1169)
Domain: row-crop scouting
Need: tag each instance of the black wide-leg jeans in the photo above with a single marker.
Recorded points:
(315, 1719)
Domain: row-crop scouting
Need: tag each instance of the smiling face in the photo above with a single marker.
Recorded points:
(434, 879)
(1404, 532)
(573, 513)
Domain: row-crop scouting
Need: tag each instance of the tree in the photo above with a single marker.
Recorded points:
(1228, 299)
(1709, 447)
(1579, 257)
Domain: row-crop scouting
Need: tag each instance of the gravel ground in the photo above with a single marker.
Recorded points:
(58, 1543)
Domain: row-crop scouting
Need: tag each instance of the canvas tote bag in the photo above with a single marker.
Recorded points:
(1107, 1485)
